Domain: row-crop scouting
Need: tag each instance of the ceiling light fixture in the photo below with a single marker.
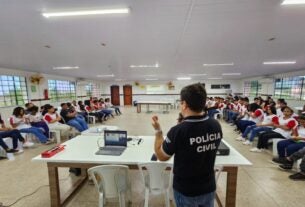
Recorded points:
(102, 76)
(145, 66)
(151, 79)
(66, 68)
(184, 78)
(86, 12)
(218, 64)
(214, 78)
(293, 2)
(280, 63)
(203, 74)
(231, 73)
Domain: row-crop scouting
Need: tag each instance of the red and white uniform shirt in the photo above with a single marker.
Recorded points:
(301, 132)
(20, 122)
(271, 119)
(259, 116)
(290, 123)
(35, 118)
(50, 117)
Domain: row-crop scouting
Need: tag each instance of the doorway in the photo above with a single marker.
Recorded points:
(115, 95)
(127, 89)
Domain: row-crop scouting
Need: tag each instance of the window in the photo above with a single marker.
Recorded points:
(13, 90)
(289, 88)
(220, 86)
(61, 90)
(89, 89)
(252, 88)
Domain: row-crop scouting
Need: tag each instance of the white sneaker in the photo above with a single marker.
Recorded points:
(28, 144)
(247, 142)
(240, 138)
(255, 149)
(19, 151)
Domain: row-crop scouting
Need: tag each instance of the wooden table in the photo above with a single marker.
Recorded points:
(80, 153)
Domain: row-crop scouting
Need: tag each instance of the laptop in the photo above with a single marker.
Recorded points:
(223, 149)
(115, 143)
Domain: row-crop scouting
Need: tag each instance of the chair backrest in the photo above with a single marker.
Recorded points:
(110, 179)
(156, 177)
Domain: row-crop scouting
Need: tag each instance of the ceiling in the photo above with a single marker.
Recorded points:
(181, 35)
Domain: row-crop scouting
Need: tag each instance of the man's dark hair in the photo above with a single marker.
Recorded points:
(253, 107)
(195, 97)
(69, 104)
(62, 104)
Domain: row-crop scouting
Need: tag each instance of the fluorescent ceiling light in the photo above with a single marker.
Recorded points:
(119, 79)
(214, 78)
(203, 74)
(218, 64)
(280, 63)
(101, 76)
(145, 66)
(150, 75)
(291, 2)
(86, 12)
(231, 74)
(66, 68)
(151, 79)
(184, 78)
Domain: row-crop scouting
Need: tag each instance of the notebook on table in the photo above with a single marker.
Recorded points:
(115, 143)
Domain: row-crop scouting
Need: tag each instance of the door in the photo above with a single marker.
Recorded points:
(115, 95)
(127, 89)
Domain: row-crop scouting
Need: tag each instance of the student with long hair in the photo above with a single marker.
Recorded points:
(21, 122)
(282, 130)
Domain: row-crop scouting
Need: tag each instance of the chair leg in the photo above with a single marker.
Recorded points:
(101, 201)
(166, 197)
(146, 197)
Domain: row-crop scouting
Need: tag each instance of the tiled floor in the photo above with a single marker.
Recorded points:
(262, 184)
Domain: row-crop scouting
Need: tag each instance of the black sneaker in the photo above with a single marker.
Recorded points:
(297, 176)
(11, 151)
(285, 166)
(279, 160)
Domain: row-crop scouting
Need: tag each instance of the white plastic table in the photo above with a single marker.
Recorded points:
(80, 153)
(167, 104)
(98, 130)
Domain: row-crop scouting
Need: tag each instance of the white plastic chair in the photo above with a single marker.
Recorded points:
(274, 147)
(57, 135)
(111, 181)
(156, 180)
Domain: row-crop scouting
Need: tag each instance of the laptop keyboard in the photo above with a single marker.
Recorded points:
(108, 148)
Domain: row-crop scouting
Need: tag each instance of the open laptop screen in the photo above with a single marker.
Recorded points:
(115, 138)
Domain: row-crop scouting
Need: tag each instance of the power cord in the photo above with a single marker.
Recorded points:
(22, 197)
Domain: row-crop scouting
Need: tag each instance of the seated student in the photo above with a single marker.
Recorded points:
(255, 114)
(242, 115)
(27, 107)
(71, 118)
(91, 111)
(296, 142)
(281, 131)
(21, 122)
(109, 105)
(80, 115)
(267, 125)
(212, 106)
(7, 132)
(52, 119)
(287, 165)
(100, 106)
(36, 120)
(235, 111)
(280, 104)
